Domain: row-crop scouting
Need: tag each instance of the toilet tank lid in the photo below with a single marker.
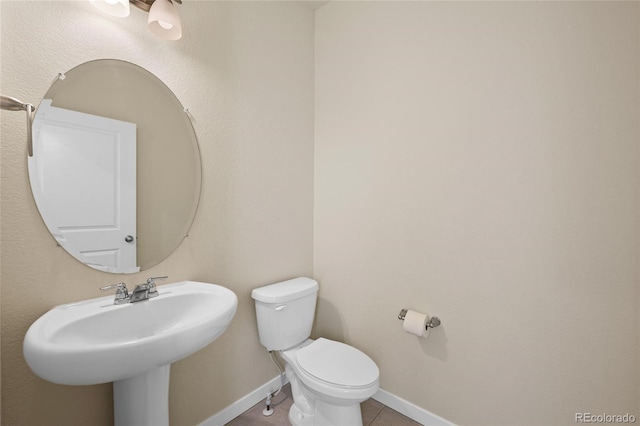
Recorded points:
(285, 291)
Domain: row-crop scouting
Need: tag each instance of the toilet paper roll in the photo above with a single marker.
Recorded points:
(416, 323)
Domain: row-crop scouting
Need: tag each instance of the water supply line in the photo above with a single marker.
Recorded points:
(269, 409)
(12, 104)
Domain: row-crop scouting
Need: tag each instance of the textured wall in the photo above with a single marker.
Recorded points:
(245, 71)
(479, 160)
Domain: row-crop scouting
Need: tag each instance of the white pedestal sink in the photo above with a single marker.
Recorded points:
(132, 345)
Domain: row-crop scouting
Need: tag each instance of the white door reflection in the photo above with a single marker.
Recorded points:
(83, 174)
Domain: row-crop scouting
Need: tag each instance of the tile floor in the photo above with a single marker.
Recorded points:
(373, 414)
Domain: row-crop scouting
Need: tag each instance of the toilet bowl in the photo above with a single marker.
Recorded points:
(328, 379)
(333, 379)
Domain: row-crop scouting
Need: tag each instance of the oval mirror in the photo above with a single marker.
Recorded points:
(115, 171)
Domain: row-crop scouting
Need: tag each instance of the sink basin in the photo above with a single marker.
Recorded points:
(95, 341)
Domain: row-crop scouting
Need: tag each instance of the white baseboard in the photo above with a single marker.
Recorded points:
(402, 406)
(410, 410)
(243, 404)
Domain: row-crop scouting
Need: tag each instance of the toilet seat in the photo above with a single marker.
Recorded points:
(337, 364)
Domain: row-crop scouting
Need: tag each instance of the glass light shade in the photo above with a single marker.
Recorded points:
(118, 8)
(164, 20)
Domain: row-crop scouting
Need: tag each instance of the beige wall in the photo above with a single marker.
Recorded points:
(245, 71)
(479, 161)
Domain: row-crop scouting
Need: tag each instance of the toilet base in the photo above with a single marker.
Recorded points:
(326, 415)
(309, 410)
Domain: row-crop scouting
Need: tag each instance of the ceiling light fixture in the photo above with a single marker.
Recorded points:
(164, 21)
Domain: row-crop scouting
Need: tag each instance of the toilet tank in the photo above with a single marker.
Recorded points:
(285, 312)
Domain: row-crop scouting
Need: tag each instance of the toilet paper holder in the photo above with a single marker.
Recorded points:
(433, 321)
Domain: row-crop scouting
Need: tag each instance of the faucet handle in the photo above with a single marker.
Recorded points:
(122, 294)
(122, 287)
(151, 282)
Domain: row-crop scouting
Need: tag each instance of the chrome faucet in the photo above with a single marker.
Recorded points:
(146, 290)
(140, 292)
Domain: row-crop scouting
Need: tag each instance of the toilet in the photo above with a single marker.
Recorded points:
(328, 379)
